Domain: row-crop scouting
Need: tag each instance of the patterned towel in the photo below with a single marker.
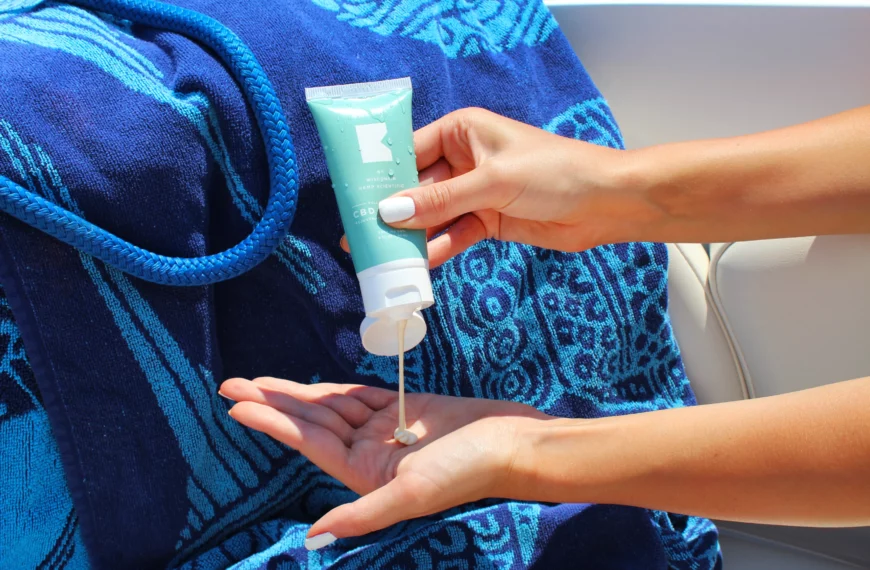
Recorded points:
(115, 450)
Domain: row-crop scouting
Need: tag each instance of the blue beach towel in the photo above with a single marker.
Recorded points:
(115, 449)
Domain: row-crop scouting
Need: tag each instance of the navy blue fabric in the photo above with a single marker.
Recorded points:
(109, 382)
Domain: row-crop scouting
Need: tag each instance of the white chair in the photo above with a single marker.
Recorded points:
(756, 319)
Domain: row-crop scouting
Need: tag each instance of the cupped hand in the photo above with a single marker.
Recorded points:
(464, 453)
(486, 176)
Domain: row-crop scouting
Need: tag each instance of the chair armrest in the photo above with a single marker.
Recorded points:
(797, 309)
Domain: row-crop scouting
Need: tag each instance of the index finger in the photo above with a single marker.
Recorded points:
(428, 144)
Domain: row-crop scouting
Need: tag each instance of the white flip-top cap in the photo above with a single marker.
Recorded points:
(393, 292)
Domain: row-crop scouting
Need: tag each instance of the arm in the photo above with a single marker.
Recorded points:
(800, 459)
(810, 179)
(497, 178)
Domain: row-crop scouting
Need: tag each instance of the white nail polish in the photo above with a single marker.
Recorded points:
(396, 209)
(319, 541)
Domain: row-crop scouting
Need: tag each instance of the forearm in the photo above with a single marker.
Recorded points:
(800, 459)
(810, 179)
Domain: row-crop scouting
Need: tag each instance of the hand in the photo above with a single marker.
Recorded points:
(486, 176)
(465, 450)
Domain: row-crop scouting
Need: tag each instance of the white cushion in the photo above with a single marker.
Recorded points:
(797, 310)
(711, 365)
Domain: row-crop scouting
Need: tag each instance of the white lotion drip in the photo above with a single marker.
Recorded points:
(402, 434)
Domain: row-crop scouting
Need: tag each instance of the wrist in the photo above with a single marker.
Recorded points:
(540, 446)
(696, 191)
(577, 460)
(671, 180)
(623, 198)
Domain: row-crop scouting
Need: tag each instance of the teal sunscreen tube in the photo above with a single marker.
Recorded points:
(368, 139)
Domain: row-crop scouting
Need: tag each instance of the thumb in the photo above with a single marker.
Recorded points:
(385, 506)
(438, 203)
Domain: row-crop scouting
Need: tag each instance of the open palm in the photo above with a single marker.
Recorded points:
(465, 445)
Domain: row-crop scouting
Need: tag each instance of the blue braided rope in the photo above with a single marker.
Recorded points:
(74, 230)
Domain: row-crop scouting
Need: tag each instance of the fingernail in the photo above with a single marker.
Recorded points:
(396, 209)
(221, 394)
(319, 541)
(343, 244)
